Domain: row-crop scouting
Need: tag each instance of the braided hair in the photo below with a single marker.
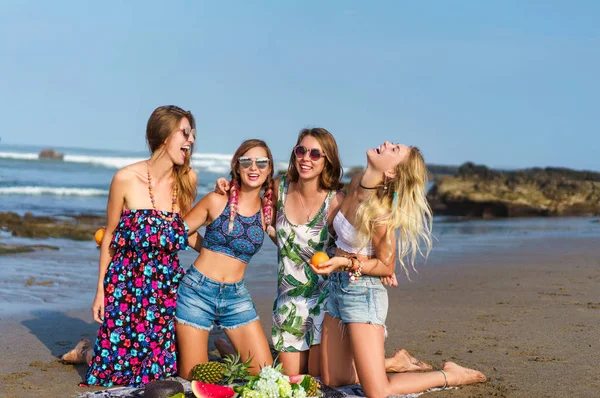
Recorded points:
(267, 201)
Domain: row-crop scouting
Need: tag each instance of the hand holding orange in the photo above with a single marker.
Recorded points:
(319, 258)
(99, 235)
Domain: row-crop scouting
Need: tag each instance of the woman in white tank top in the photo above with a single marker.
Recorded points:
(389, 195)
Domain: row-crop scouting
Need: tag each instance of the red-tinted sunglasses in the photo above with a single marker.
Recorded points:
(314, 153)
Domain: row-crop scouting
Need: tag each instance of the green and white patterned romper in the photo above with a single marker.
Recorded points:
(298, 310)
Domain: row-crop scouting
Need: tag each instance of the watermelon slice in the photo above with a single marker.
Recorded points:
(206, 390)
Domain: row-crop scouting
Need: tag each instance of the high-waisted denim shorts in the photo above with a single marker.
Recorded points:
(362, 301)
(202, 302)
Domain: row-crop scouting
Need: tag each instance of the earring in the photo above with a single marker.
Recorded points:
(385, 181)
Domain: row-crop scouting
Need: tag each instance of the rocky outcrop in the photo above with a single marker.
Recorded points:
(50, 154)
(29, 226)
(477, 191)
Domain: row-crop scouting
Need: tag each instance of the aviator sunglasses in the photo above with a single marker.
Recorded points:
(246, 162)
(314, 153)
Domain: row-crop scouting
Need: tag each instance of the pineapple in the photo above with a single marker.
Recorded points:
(310, 385)
(208, 372)
(222, 372)
(234, 369)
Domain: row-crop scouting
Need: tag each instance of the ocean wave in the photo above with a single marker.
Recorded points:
(202, 162)
(19, 156)
(55, 191)
(105, 161)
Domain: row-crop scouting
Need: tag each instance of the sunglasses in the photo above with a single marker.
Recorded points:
(246, 162)
(187, 132)
(314, 153)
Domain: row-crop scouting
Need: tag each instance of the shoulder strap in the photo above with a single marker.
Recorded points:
(283, 187)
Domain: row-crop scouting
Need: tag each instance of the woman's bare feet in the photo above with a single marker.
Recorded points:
(79, 353)
(458, 376)
(402, 361)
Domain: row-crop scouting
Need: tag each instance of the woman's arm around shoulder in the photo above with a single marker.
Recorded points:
(206, 210)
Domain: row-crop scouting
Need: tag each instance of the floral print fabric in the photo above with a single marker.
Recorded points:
(136, 342)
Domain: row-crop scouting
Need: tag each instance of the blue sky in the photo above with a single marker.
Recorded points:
(503, 83)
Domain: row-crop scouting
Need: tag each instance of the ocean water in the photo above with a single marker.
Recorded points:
(66, 279)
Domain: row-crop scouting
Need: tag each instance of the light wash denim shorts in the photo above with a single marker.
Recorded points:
(362, 301)
(203, 302)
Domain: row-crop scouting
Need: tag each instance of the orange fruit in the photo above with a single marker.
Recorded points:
(99, 235)
(318, 258)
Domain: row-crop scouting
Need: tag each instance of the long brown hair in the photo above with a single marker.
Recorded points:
(267, 203)
(161, 124)
(331, 177)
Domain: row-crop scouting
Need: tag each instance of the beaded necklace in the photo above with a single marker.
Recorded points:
(173, 203)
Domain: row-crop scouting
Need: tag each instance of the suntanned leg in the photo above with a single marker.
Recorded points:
(250, 341)
(402, 361)
(337, 366)
(314, 360)
(294, 363)
(192, 347)
(367, 347)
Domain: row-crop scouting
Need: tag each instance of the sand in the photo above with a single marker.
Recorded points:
(527, 317)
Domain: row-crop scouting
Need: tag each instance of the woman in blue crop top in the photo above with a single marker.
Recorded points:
(388, 196)
(213, 292)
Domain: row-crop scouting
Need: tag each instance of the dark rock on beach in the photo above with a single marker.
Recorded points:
(50, 154)
(12, 249)
(73, 227)
(477, 191)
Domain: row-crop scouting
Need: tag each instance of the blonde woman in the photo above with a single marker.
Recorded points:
(388, 198)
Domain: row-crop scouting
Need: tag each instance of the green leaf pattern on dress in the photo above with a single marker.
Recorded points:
(298, 309)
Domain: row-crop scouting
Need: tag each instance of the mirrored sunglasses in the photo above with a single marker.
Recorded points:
(246, 162)
(314, 153)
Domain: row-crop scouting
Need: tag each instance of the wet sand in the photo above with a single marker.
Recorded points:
(527, 317)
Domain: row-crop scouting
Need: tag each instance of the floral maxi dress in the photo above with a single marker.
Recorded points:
(136, 342)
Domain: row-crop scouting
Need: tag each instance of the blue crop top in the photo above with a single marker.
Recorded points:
(244, 240)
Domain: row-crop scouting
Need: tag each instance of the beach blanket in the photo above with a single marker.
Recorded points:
(328, 392)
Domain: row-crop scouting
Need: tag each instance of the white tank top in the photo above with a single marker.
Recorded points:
(347, 237)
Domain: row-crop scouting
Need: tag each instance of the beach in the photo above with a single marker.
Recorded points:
(525, 314)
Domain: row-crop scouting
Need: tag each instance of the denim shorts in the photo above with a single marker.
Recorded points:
(362, 301)
(202, 302)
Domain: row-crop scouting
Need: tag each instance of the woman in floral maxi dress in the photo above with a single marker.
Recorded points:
(139, 270)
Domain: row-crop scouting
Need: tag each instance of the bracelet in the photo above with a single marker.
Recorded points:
(357, 273)
(445, 380)
(347, 267)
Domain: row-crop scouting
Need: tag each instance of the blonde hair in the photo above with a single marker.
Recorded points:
(161, 124)
(400, 203)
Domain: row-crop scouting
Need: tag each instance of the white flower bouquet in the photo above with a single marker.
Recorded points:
(272, 383)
